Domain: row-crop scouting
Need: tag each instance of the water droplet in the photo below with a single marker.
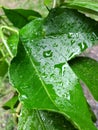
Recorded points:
(47, 54)
(71, 55)
(72, 42)
(92, 39)
(55, 45)
(52, 75)
(70, 35)
(82, 45)
(23, 97)
(59, 66)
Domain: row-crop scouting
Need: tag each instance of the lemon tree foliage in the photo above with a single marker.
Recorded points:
(46, 69)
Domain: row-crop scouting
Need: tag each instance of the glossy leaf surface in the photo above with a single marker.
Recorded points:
(42, 120)
(20, 17)
(41, 74)
(87, 70)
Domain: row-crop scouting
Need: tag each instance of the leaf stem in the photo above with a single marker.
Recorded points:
(54, 3)
(16, 114)
(10, 29)
(18, 109)
(39, 118)
(3, 54)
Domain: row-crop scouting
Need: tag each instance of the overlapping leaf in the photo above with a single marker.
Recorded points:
(89, 4)
(88, 7)
(40, 71)
(20, 17)
(12, 41)
(87, 70)
(42, 120)
(11, 103)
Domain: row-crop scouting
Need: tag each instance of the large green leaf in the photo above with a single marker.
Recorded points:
(41, 74)
(88, 7)
(42, 120)
(87, 70)
(20, 17)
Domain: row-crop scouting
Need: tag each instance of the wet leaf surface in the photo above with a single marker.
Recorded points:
(41, 73)
(42, 120)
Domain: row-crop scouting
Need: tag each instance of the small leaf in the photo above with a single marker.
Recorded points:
(12, 41)
(10, 104)
(20, 17)
(87, 70)
(42, 120)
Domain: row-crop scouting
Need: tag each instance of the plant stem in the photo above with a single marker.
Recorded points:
(4, 40)
(5, 43)
(9, 28)
(3, 54)
(18, 109)
(54, 3)
(16, 114)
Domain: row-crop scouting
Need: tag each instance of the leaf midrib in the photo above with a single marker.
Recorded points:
(39, 77)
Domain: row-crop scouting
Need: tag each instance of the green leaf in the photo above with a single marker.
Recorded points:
(10, 104)
(41, 73)
(20, 17)
(42, 120)
(87, 70)
(93, 116)
(88, 4)
(12, 41)
(3, 68)
(88, 7)
(91, 14)
(3, 65)
(48, 2)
